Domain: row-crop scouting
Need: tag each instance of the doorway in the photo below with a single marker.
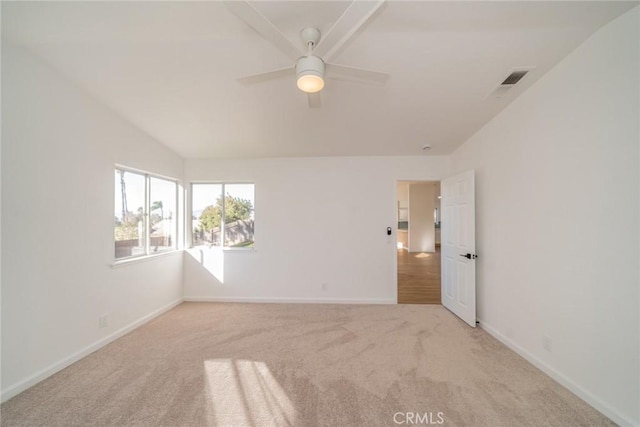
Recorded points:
(418, 242)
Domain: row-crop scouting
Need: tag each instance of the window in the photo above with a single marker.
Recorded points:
(145, 214)
(222, 215)
(162, 214)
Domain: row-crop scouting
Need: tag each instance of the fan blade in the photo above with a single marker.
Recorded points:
(314, 100)
(358, 75)
(263, 77)
(256, 20)
(356, 15)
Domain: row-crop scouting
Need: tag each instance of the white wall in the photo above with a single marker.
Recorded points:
(59, 148)
(319, 221)
(557, 221)
(421, 225)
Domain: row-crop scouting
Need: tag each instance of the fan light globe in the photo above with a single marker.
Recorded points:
(310, 72)
(310, 83)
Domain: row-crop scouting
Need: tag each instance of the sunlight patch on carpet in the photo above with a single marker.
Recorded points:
(245, 392)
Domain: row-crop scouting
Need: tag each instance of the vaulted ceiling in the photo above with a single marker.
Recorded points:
(171, 69)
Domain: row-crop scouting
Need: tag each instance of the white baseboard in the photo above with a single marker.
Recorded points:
(21, 386)
(292, 300)
(589, 398)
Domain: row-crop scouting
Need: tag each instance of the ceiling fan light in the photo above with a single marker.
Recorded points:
(310, 73)
(310, 83)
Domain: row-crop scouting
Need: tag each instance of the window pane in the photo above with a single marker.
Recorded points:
(129, 214)
(162, 215)
(206, 202)
(238, 219)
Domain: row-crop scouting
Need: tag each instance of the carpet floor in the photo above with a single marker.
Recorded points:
(220, 364)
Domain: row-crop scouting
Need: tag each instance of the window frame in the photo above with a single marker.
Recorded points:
(222, 247)
(146, 215)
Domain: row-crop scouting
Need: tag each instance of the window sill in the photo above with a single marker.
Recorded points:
(145, 258)
(225, 250)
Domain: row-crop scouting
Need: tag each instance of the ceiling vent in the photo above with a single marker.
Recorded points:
(514, 77)
(508, 82)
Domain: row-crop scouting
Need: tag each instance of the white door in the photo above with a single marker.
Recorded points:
(458, 241)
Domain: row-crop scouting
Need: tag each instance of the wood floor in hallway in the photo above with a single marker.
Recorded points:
(418, 277)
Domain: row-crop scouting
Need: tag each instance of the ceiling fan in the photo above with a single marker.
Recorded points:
(311, 63)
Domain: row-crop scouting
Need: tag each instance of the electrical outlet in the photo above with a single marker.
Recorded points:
(103, 321)
(546, 343)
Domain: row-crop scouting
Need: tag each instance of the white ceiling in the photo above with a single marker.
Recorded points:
(170, 68)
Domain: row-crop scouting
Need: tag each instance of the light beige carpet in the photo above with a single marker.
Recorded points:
(206, 364)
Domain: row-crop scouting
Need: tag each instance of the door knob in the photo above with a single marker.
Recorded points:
(469, 256)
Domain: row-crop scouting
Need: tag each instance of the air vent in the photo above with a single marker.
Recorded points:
(509, 82)
(514, 78)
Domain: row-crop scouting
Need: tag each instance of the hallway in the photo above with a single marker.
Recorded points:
(419, 277)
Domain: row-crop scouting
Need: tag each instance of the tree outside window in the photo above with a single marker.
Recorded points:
(145, 214)
(223, 221)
